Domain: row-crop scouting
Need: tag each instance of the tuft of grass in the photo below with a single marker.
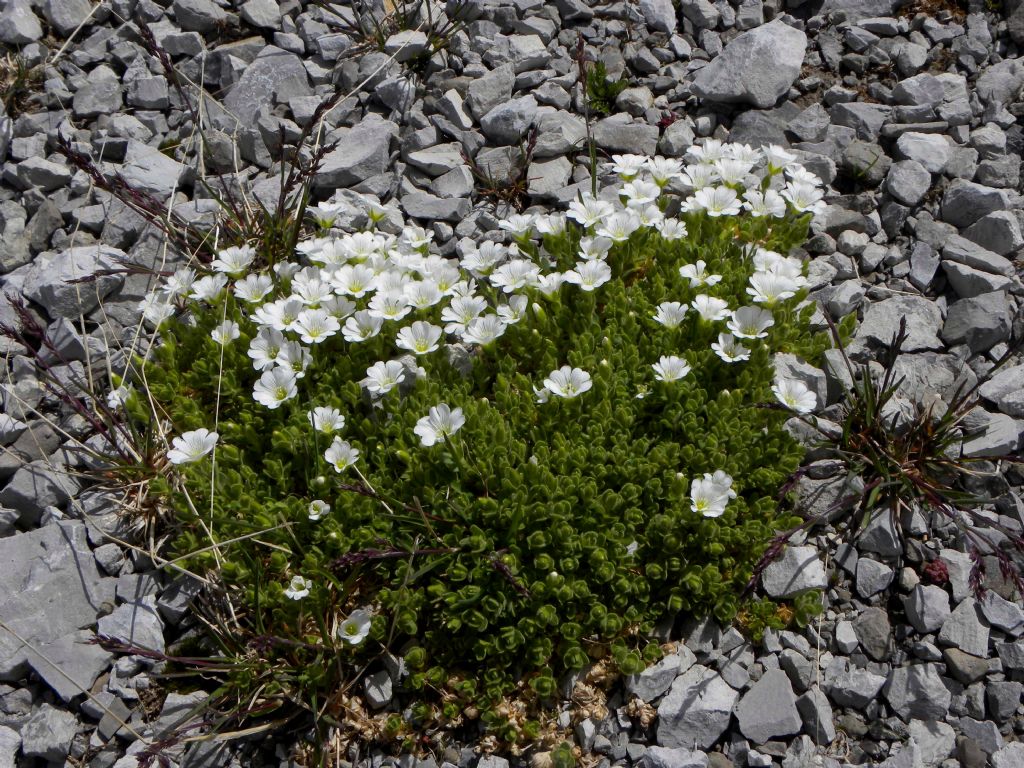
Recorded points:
(18, 83)
(602, 92)
(511, 189)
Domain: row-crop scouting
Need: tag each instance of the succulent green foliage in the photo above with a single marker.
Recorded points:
(539, 536)
(601, 91)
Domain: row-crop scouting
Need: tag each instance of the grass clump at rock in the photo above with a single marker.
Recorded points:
(472, 475)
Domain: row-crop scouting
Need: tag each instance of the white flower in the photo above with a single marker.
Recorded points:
(514, 311)
(568, 382)
(298, 588)
(750, 322)
(316, 325)
(670, 313)
(484, 330)
(711, 151)
(723, 481)
(461, 312)
(550, 283)
(589, 211)
(768, 203)
(594, 248)
(119, 396)
(192, 446)
(800, 175)
(710, 308)
(730, 350)
(338, 307)
(266, 348)
(672, 229)
(341, 455)
(285, 269)
(707, 497)
(180, 283)
(639, 193)
(361, 326)
(717, 201)
(234, 260)
(732, 170)
(670, 368)
(422, 294)
(295, 358)
(275, 387)
(280, 314)
(353, 280)
(318, 509)
(619, 226)
(439, 423)
(226, 332)
(416, 237)
(308, 288)
(483, 259)
(627, 166)
(389, 305)
(649, 216)
(518, 224)
(156, 307)
(804, 197)
(697, 274)
(542, 395)
(209, 288)
(253, 288)
(515, 274)
(589, 275)
(326, 419)
(356, 627)
(362, 246)
(770, 287)
(382, 377)
(699, 176)
(777, 158)
(664, 169)
(420, 338)
(550, 224)
(743, 152)
(795, 395)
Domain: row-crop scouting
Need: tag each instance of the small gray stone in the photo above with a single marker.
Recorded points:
(881, 535)
(981, 322)
(963, 666)
(265, 14)
(845, 637)
(558, 133)
(198, 15)
(660, 15)
(908, 181)
(70, 664)
(18, 24)
(757, 67)
(881, 320)
(65, 16)
(1002, 697)
(509, 121)
(874, 633)
(696, 711)
(872, 577)
(768, 709)
(964, 202)
(619, 134)
(965, 629)
(934, 739)
(917, 691)
(1001, 82)
(1004, 390)
(48, 734)
(136, 623)
(816, 713)
(984, 733)
(421, 205)
(656, 679)
(1002, 614)
(998, 232)
(407, 44)
(1012, 754)
(44, 174)
(10, 743)
(930, 150)
(866, 119)
(150, 170)
(927, 607)
(674, 757)
(797, 570)
(47, 280)
(261, 79)
(851, 686)
(378, 689)
(436, 160)
(487, 92)
(362, 152)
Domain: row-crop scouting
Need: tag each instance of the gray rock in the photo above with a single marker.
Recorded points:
(436, 160)
(265, 14)
(10, 743)
(407, 44)
(998, 232)
(757, 67)
(851, 686)
(48, 734)
(919, 90)
(660, 15)
(574, 10)
(984, 733)
(1002, 614)
(549, 179)
(1002, 697)
(816, 713)
(965, 629)
(35, 486)
(964, 251)
(43, 174)
(363, 151)
(677, 757)
(917, 691)
(872, 577)
(866, 163)
(150, 170)
(963, 666)
(701, 13)
(255, 89)
(981, 322)
(1004, 390)
(970, 282)
(874, 633)
(487, 92)
(619, 134)
(100, 95)
(797, 570)
(421, 205)
(927, 607)
(559, 133)
(136, 623)
(148, 93)
(845, 637)
(509, 121)
(18, 24)
(930, 150)
(656, 679)
(66, 15)
(934, 739)
(1001, 82)
(70, 664)
(964, 202)
(198, 15)
(696, 711)
(1012, 754)
(768, 709)
(908, 181)
(881, 320)
(866, 119)
(47, 280)
(378, 688)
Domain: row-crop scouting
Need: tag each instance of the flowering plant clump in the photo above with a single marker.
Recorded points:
(501, 465)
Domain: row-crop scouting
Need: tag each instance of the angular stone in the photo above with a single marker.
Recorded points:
(1001, 82)
(660, 15)
(48, 734)
(619, 134)
(265, 14)
(796, 570)
(964, 251)
(908, 181)
(757, 67)
(70, 664)
(934, 739)
(656, 679)
(850, 686)
(362, 152)
(969, 282)
(965, 629)
(47, 281)
(421, 205)
(18, 24)
(256, 87)
(1005, 390)
(866, 119)
(874, 633)
(882, 320)
(964, 202)
(1012, 754)
(65, 16)
(927, 607)
(10, 743)
(816, 713)
(548, 179)
(150, 170)
(998, 232)
(487, 92)
(438, 159)
(963, 666)
(406, 45)
(669, 757)
(1002, 697)
(768, 709)
(696, 711)
(920, 90)
(137, 624)
(559, 133)
(44, 174)
(34, 487)
(917, 691)
(872, 577)
(981, 322)
(509, 121)
(198, 15)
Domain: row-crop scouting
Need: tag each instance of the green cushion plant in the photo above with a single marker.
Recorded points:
(495, 468)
